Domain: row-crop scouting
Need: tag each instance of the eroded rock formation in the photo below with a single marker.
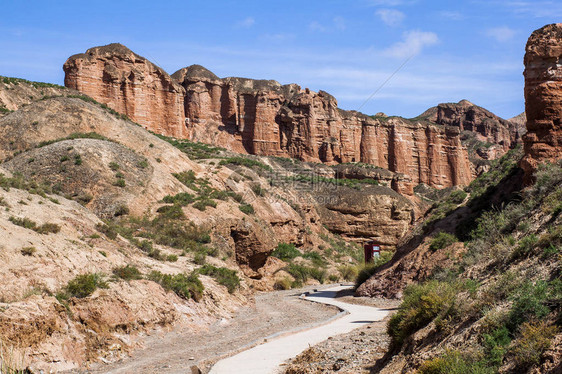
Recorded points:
(266, 118)
(129, 84)
(489, 135)
(543, 98)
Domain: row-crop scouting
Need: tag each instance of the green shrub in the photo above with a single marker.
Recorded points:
(528, 303)
(526, 245)
(246, 208)
(195, 150)
(28, 251)
(315, 257)
(442, 240)
(84, 198)
(204, 203)
(171, 212)
(172, 258)
(182, 198)
(188, 178)
(535, 338)
(496, 343)
(200, 258)
(286, 252)
(299, 272)
(119, 182)
(455, 362)
(107, 230)
(283, 284)
(77, 160)
(146, 246)
(457, 196)
(421, 304)
(84, 285)
(114, 166)
(23, 222)
(143, 164)
(317, 273)
(185, 286)
(370, 268)
(258, 190)
(348, 272)
(223, 276)
(121, 210)
(302, 273)
(48, 228)
(243, 161)
(129, 272)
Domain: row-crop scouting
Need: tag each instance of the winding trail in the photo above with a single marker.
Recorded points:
(267, 358)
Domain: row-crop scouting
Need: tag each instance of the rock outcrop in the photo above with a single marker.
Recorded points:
(492, 136)
(543, 98)
(374, 212)
(129, 84)
(264, 117)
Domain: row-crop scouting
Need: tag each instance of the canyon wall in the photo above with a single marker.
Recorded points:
(488, 135)
(264, 117)
(543, 98)
(129, 84)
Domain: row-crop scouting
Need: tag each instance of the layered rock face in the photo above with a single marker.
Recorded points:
(483, 124)
(266, 118)
(543, 98)
(129, 84)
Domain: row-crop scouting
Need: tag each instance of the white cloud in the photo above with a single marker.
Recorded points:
(391, 17)
(280, 37)
(412, 44)
(452, 15)
(316, 26)
(501, 34)
(246, 23)
(339, 22)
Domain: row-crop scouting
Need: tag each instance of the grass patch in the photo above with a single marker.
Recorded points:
(185, 286)
(421, 304)
(246, 209)
(442, 240)
(370, 268)
(76, 135)
(46, 228)
(223, 276)
(83, 286)
(286, 252)
(129, 272)
(244, 161)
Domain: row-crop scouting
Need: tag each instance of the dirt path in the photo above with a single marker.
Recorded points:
(353, 353)
(268, 357)
(178, 351)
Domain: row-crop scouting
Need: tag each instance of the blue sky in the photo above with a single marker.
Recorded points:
(457, 50)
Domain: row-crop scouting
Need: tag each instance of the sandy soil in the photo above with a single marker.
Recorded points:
(178, 351)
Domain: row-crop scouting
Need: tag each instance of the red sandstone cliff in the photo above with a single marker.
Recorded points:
(487, 134)
(543, 98)
(266, 118)
(129, 84)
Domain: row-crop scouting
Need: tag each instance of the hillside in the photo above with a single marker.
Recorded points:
(112, 231)
(480, 276)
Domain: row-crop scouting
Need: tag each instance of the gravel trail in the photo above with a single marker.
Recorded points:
(267, 358)
(178, 351)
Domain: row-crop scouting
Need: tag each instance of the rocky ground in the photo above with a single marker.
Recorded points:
(181, 349)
